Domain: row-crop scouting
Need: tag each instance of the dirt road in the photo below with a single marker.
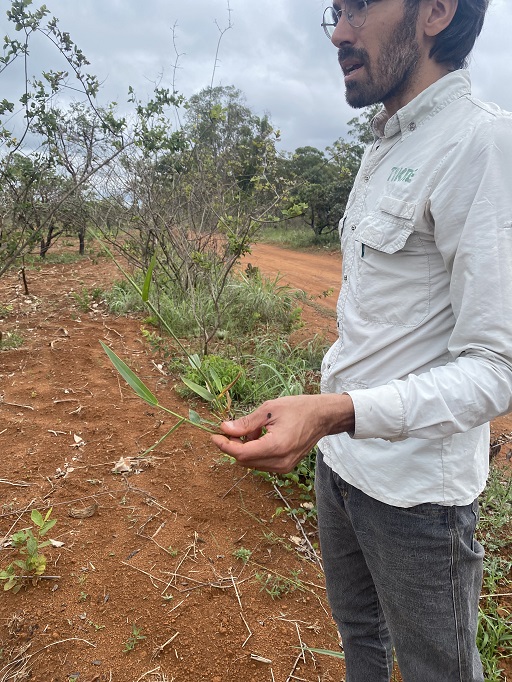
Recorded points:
(318, 274)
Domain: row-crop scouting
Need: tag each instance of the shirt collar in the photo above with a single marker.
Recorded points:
(428, 103)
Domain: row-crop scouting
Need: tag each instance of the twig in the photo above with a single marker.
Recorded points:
(294, 668)
(150, 672)
(18, 485)
(25, 407)
(113, 330)
(38, 577)
(236, 591)
(235, 485)
(36, 653)
(159, 649)
(300, 642)
(248, 630)
(136, 568)
(301, 529)
(492, 596)
(158, 368)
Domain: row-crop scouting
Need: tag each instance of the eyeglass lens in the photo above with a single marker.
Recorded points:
(355, 12)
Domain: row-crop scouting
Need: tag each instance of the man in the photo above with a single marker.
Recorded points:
(423, 359)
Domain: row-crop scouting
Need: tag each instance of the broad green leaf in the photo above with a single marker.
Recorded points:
(216, 380)
(200, 390)
(147, 280)
(195, 361)
(32, 547)
(37, 518)
(130, 377)
(194, 417)
(47, 526)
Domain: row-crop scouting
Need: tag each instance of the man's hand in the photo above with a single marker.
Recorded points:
(277, 435)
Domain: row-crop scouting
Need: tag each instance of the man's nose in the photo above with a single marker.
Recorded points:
(344, 33)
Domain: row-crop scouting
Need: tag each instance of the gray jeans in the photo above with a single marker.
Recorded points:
(403, 578)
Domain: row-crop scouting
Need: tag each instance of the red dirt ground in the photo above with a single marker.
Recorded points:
(151, 549)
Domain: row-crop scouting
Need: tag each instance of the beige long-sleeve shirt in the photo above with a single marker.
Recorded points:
(425, 309)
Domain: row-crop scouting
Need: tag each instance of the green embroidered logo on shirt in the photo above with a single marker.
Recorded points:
(402, 174)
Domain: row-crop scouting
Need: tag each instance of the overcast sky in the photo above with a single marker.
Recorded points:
(275, 52)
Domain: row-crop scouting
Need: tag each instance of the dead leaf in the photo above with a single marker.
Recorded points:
(123, 466)
(56, 543)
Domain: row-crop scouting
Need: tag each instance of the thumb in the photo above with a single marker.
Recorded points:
(248, 426)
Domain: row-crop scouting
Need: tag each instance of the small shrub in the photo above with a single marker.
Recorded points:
(29, 543)
(10, 340)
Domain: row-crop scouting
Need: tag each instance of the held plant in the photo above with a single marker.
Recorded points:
(32, 563)
(218, 400)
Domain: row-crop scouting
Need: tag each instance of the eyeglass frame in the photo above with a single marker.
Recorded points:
(339, 13)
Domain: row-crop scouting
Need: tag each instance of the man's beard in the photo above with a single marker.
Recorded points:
(393, 73)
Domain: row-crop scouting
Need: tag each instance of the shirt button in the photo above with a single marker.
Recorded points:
(353, 227)
(367, 178)
(412, 126)
(345, 277)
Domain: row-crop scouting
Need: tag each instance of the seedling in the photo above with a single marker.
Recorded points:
(243, 554)
(135, 638)
(276, 585)
(29, 543)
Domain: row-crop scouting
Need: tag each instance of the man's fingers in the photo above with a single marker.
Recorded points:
(239, 448)
(248, 426)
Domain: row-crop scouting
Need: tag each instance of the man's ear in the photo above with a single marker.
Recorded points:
(438, 15)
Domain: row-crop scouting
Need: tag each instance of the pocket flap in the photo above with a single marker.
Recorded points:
(397, 207)
(388, 237)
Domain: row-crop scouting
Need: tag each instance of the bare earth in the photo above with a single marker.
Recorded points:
(145, 585)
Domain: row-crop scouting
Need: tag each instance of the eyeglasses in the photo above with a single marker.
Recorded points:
(355, 11)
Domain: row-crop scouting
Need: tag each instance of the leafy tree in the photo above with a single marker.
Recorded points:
(322, 181)
(317, 188)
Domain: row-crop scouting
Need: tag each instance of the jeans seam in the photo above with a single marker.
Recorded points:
(456, 596)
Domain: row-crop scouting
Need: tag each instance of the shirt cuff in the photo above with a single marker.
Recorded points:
(379, 413)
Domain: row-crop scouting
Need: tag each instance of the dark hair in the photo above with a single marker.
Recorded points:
(453, 45)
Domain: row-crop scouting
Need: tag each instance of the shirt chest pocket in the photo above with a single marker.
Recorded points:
(392, 267)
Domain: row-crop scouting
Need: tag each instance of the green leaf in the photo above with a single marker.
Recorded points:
(200, 390)
(130, 377)
(172, 430)
(195, 361)
(47, 526)
(327, 652)
(194, 417)
(216, 380)
(37, 518)
(147, 280)
(32, 547)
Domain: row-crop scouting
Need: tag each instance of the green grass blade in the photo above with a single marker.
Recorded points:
(172, 430)
(130, 377)
(326, 652)
(147, 280)
(200, 390)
